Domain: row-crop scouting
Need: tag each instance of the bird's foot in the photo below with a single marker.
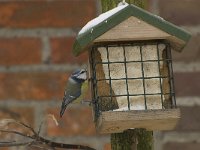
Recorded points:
(87, 102)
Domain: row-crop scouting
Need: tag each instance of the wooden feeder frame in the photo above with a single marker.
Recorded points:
(108, 121)
(116, 121)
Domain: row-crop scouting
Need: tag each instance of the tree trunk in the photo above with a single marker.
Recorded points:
(137, 139)
(109, 4)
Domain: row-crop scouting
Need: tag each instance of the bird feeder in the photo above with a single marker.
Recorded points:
(130, 68)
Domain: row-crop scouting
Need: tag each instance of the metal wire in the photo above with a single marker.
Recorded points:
(137, 94)
(143, 80)
(110, 83)
(112, 62)
(161, 89)
(158, 77)
(170, 73)
(94, 86)
(97, 97)
(127, 89)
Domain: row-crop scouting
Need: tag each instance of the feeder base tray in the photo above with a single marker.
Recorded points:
(118, 121)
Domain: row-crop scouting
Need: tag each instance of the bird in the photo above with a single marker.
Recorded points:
(73, 88)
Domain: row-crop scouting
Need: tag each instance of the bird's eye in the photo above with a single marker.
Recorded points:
(82, 71)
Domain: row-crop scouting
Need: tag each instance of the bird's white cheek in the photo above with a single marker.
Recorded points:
(83, 76)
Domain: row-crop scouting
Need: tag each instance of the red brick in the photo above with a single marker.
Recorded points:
(187, 84)
(62, 51)
(190, 119)
(182, 146)
(22, 114)
(76, 121)
(37, 86)
(107, 146)
(191, 52)
(185, 12)
(17, 51)
(5, 148)
(45, 13)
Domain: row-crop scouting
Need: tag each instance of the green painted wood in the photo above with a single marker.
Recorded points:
(85, 39)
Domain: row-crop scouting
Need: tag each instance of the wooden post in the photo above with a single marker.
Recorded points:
(126, 140)
(132, 139)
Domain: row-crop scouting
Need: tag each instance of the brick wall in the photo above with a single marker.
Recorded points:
(36, 39)
(184, 13)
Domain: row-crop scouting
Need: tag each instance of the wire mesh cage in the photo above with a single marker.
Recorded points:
(132, 76)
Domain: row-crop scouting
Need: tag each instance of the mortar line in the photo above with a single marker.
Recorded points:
(98, 7)
(178, 67)
(155, 7)
(38, 32)
(46, 50)
(188, 101)
(39, 114)
(181, 137)
(70, 32)
(43, 103)
(186, 67)
(40, 68)
(194, 30)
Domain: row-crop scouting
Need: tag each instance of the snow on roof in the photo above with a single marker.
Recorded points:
(102, 17)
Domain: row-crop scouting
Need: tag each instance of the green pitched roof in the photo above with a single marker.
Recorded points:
(85, 39)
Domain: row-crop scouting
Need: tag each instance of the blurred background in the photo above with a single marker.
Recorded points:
(36, 38)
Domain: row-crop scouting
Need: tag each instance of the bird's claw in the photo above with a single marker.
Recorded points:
(88, 102)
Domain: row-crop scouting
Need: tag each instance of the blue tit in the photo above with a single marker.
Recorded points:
(73, 88)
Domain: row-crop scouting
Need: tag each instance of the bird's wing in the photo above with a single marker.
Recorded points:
(69, 97)
(71, 93)
(66, 100)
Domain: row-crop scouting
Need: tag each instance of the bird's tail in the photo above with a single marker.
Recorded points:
(63, 107)
(62, 111)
